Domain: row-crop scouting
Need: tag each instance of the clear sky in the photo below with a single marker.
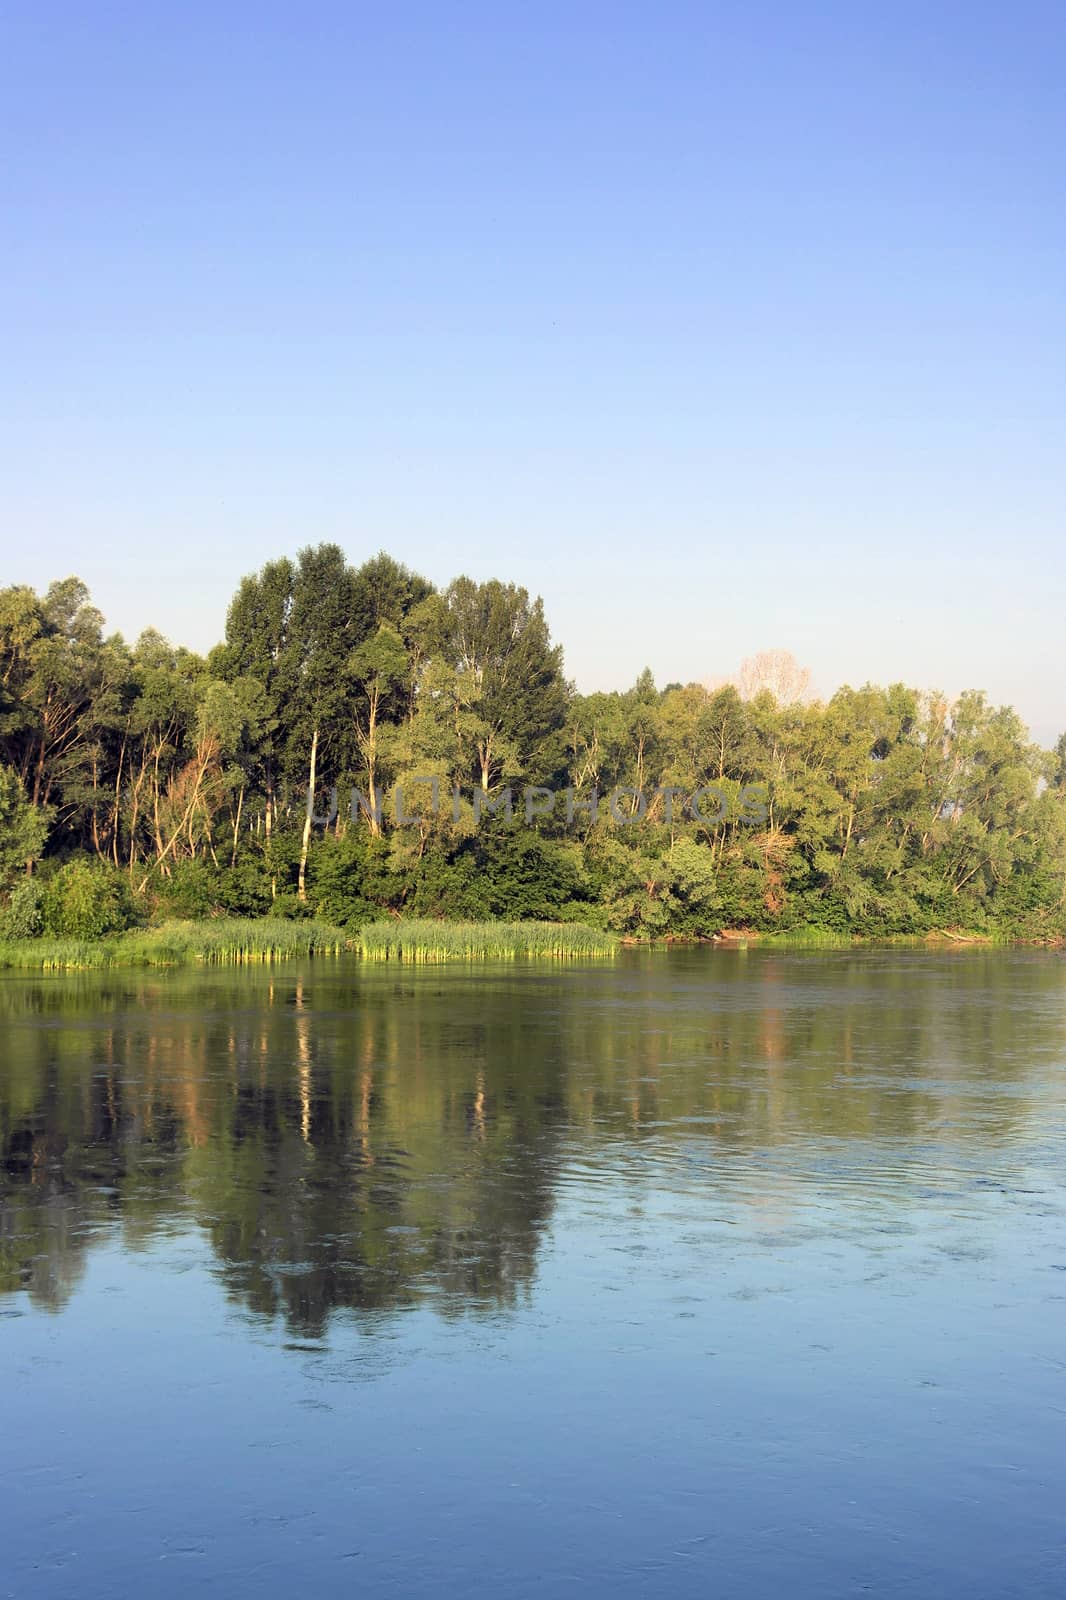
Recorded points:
(723, 327)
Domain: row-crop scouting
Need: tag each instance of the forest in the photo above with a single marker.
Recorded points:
(144, 783)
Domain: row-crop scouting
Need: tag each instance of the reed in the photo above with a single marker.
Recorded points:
(427, 941)
(229, 940)
(803, 939)
(829, 939)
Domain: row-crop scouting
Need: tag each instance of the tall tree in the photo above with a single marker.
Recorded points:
(323, 630)
(509, 678)
(259, 646)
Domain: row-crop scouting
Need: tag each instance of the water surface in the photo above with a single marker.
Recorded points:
(703, 1273)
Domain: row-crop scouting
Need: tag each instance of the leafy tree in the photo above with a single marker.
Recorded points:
(380, 668)
(23, 828)
(386, 593)
(322, 634)
(509, 680)
(258, 650)
(1057, 764)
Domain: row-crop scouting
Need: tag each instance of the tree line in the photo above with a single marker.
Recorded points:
(148, 781)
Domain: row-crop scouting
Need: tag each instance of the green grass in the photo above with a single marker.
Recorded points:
(428, 941)
(232, 940)
(830, 939)
(228, 940)
(803, 939)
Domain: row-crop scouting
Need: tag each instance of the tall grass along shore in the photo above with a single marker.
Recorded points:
(235, 941)
(429, 941)
(227, 940)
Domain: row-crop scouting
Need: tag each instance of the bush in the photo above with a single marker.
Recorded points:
(244, 889)
(190, 891)
(528, 878)
(85, 900)
(21, 917)
(290, 908)
(505, 871)
(352, 878)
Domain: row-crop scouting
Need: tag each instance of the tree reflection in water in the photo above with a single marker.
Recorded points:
(353, 1142)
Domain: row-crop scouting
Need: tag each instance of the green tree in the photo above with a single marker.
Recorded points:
(509, 680)
(258, 648)
(380, 668)
(322, 635)
(23, 828)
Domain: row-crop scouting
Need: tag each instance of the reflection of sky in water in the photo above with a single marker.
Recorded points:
(643, 1294)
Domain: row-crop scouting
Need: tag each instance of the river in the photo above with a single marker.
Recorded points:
(703, 1272)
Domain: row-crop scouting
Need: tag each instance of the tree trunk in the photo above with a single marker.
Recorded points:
(301, 888)
(204, 759)
(237, 826)
(371, 756)
(117, 813)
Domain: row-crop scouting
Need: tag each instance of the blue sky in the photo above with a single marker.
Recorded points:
(722, 327)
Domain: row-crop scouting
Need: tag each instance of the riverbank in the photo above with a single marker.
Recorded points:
(826, 939)
(237, 941)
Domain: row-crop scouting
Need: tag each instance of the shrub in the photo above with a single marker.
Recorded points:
(290, 908)
(85, 900)
(21, 917)
(190, 891)
(244, 889)
(353, 878)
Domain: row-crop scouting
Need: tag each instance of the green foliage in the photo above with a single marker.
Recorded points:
(21, 918)
(244, 889)
(86, 900)
(190, 890)
(510, 871)
(888, 814)
(449, 884)
(179, 943)
(352, 879)
(508, 683)
(291, 908)
(424, 941)
(23, 828)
